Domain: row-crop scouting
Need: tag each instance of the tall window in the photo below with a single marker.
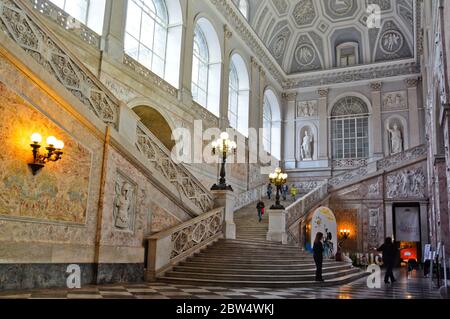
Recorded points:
(206, 66)
(271, 124)
(350, 129)
(243, 7)
(146, 33)
(239, 95)
(233, 109)
(88, 12)
(200, 68)
(267, 125)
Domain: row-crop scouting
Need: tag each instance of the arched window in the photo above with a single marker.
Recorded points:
(89, 12)
(243, 7)
(200, 68)
(239, 95)
(146, 33)
(271, 124)
(153, 36)
(350, 129)
(206, 65)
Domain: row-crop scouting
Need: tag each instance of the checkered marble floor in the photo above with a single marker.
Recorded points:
(414, 288)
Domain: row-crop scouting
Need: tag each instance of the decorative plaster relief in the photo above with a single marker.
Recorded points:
(124, 209)
(406, 184)
(307, 108)
(395, 100)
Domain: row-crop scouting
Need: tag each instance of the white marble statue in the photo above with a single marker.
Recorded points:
(122, 205)
(396, 139)
(306, 146)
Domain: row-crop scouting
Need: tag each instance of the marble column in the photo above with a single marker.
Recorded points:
(389, 220)
(114, 28)
(424, 224)
(290, 134)
(414, 131)
(377, 133)
(187, 51)
(323, 124)
(225, 79)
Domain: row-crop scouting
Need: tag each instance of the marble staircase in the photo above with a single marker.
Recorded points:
(251, 261)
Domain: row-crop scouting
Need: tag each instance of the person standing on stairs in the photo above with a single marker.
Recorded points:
(260, 208)
(269, 191)
(318, 255)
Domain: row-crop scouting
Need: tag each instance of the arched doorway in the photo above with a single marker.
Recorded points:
(157, 124)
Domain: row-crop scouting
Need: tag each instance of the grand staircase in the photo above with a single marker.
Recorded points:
(251, 261)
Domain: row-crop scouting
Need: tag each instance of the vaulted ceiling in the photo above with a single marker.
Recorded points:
(302, 35)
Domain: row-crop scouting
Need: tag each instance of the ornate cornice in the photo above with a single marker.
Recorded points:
(363, 73)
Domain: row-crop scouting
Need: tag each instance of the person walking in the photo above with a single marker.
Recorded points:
(389, 256)
(260, 208)
(285, 190)
(294, 192)
(318, 255)
(269, 191)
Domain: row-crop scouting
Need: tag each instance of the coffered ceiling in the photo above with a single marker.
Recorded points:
(302, 35)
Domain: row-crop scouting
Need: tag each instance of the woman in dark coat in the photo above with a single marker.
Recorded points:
(389, 256)
(318, 255)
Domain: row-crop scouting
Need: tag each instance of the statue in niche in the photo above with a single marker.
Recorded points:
(306, 147)
(123, 205)
(396, 139)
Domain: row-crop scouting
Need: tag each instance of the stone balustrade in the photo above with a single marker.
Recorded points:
(62, 18)
(249, 197)
(160, 158)
(169, 247)
(386, 164)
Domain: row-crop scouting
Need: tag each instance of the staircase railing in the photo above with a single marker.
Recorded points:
(387, 163)
(178, 175)
(298, 210)
(248, 197)
(21, 24)
(171, 246)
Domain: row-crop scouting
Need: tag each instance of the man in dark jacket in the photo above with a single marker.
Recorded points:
(389, 256)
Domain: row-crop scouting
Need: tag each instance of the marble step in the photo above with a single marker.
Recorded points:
(243, 265)
(258, 277)
(250, 260)
(340, 280)
(307, 270)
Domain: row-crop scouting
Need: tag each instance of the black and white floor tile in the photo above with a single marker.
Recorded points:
(413, 288)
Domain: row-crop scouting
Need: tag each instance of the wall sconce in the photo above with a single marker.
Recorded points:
(345, 234)
(54, 152)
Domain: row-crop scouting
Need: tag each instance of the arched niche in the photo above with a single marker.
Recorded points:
(402, 125)
(313, 132)
(156, 123)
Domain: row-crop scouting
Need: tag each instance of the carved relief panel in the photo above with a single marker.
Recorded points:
(124, 208)
(395, 101)
(307, 109)
(409, 183)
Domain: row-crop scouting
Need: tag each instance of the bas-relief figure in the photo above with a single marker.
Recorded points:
(396, 139)
(123, 205)
(395, 100)
(307, 109)
(406, 184)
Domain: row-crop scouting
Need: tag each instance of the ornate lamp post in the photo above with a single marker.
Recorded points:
(278, 179)
(223, 146)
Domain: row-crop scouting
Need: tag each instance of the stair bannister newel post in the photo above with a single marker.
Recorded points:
(167, 248)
